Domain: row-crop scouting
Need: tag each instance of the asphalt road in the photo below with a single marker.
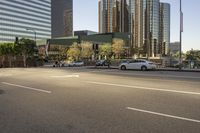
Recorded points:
(80, 100)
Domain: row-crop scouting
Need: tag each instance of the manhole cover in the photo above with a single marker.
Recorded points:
(1, 92)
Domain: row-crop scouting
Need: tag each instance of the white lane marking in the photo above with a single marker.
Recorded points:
(66, 76)
(165, 115)
(26, 87)
(144, 88)
(5, 75)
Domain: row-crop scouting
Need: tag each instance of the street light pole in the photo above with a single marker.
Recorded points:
(181, 30)
(35, 37)
(34, 34)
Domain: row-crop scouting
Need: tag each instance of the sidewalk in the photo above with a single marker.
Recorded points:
(116, 67)
(158, 69)
(176, 69)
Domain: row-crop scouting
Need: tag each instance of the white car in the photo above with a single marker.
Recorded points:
(138, 64)
(77, 63)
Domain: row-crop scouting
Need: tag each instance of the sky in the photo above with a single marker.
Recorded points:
(86, 18)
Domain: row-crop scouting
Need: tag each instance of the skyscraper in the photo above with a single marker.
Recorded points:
(113, 16)
(123, 19)
(61, 18)
(136, 22)
(22, 18)
(149, 24)
(164, 28)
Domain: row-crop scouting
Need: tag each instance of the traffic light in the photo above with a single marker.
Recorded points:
(97, 47)
(93, 46)
(16, 40)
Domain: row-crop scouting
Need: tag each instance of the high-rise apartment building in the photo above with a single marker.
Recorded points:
(62, 18)
(24, 18)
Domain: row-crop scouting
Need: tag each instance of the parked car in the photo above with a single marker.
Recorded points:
(102, 63)
(56, 64)
(137, 64)
(76, 64)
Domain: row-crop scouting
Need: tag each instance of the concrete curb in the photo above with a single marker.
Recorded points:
(158, 69)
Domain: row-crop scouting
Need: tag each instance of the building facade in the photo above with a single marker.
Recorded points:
(174, 47)
(62, 18)
(22, 18)
(84, 33)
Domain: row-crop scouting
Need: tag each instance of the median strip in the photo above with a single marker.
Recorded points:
(164, 115)
(144, 88)
(26, 87)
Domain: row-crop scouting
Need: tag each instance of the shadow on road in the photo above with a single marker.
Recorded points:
(2, 92)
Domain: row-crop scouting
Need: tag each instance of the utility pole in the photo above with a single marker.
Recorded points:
(181, 30)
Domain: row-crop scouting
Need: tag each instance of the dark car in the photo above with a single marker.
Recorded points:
(102, 63)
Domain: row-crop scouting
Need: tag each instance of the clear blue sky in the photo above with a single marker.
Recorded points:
(86, 18)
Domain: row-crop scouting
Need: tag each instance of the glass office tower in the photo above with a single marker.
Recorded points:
(136, 22)
(164, 28)
(152, 26)
(24, 18)
(149, 24)
(62, 18)
(147, 21)
(108, 16)
(113, 16)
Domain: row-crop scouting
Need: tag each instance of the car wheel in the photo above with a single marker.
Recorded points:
(123, 67)
(143, 68)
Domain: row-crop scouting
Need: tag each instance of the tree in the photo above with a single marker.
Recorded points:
(105, 50)
(62, 53)
(74, 52)
(118, 47)
(193, 55)
(86, 50)
(2, 53)
(26, 48)
(7, 50)
(177, 55)
(138, 51)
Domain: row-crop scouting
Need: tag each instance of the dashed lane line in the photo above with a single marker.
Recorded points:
(144, 88)
(164, 115)
(26, 87)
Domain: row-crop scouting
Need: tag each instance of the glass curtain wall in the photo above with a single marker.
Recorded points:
(22, 18)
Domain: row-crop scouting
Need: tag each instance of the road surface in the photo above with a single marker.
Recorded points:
(80, 100)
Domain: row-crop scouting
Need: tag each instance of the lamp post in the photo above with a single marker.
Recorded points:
(30, 29)
(181, 30)
(35, 48)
